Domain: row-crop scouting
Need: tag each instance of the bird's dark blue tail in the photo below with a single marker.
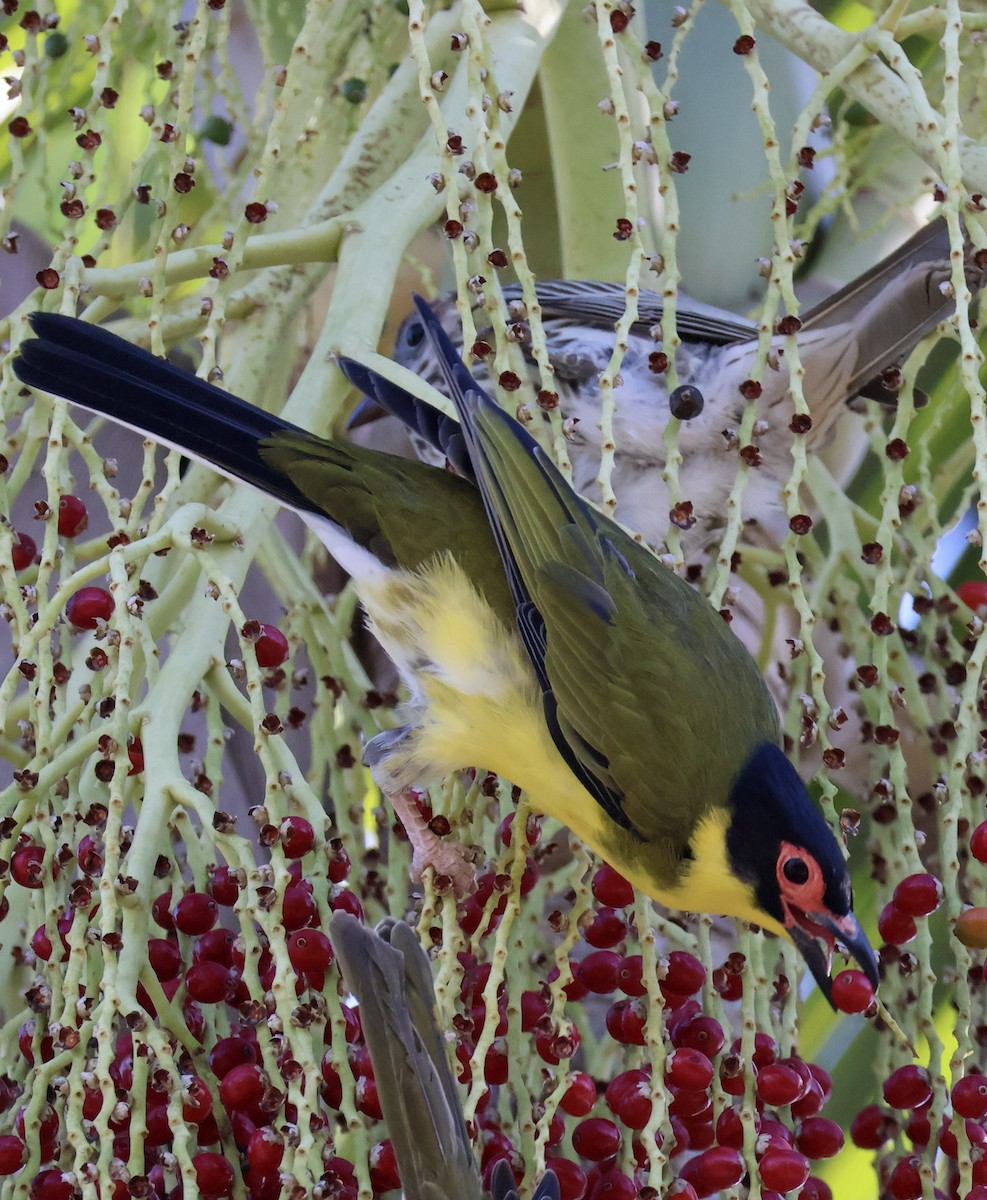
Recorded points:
(96, 369)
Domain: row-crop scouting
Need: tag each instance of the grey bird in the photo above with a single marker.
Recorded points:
(850, 346)
(389, 974)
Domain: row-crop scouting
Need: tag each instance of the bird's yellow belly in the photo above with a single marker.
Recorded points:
(478, 703)
(476, 695)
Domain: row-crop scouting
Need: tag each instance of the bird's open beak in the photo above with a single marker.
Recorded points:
(815, 936)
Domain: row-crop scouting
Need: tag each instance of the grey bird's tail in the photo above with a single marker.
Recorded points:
(390, 975)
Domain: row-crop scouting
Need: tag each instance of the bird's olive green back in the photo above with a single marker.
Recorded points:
(401, 510)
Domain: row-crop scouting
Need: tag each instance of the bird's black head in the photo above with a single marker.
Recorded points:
(779, 843)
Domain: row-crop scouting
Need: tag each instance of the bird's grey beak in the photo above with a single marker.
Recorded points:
(815, 944)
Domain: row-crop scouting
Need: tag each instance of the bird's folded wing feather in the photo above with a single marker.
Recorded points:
(590, 302)
(388, 973)
(632, 652)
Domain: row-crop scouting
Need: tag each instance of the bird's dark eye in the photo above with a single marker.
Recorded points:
(795, 870)
(414, 334)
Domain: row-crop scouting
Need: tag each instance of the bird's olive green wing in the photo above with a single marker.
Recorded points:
(652, 690)
(647, 691)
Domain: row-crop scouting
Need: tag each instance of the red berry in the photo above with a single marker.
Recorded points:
(852, 992)
(297, 837)
(384, 1175)
(973, 593)
(628, 1096)
(819, 1137)
(598, 971)
(217, 946)
(265, 1151)
(496, 1069)
(224, 886)
(630, 975)
(918, 1130)
(135, 752)
(88, 606)
(53, 1185)
(611, 888)
(309, 950)
(778, 1084)
(978, 842)
(614, 1185)
(596, 1138)
(895, 926)
(691, 1107)
(23, 552)
(165, 958)
(684, 974)
(580, 1096)
(534, 1006)
(570, 1176)
(908, 1087)
(213, 1174)
(209, 982)
(873, 1127)
(195, 913)
(72, 517)
(730, 1129)
(606, 929)
(271, 647)
(242, 1087)
(298, 907)
(232, 1052)
(12, 1154)
(702, 1033)
(339, 863)
(810, 1102)
(688, 1068)
(680, 1190)
(625, 1022)
(969, 1096)
(27, 866)
(368, 1098)
(783, 1170)
(918, 895)
(161, 911)
(196, 1102)
(713, 1170)
(344, 899)
(905, 1182)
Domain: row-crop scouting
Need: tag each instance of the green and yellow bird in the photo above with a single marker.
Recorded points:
(536, 638)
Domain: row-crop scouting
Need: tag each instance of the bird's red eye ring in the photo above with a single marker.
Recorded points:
(795, 870)
(800, 879)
